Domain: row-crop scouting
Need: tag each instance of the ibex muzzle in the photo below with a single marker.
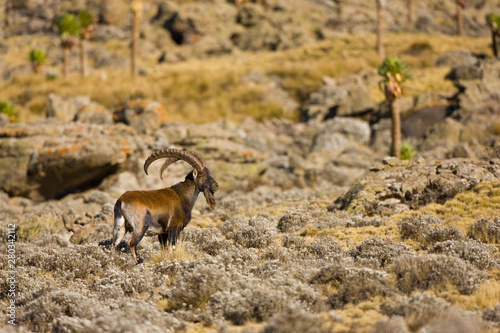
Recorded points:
(167, 211)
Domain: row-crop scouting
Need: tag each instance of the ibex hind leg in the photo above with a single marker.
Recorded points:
(138, 234)
(119, 229)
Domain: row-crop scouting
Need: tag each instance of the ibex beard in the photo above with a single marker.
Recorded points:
(167, 211)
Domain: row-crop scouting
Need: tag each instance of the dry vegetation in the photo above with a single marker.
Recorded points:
(273, 267)
(201, 90)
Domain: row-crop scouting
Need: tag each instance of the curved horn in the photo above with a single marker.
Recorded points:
(173, 155)
(200, 158)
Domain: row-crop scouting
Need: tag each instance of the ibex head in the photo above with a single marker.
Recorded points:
(200, 175)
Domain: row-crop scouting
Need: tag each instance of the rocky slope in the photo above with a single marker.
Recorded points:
(406, 246)
(315, 229)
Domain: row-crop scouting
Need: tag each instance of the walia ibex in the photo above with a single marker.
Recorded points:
(167, 211)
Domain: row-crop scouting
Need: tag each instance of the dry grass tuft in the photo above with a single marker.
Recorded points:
(180, 253)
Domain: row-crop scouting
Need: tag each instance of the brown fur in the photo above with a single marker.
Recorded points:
(163, 212)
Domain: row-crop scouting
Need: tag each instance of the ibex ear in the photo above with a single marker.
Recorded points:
(195, 173)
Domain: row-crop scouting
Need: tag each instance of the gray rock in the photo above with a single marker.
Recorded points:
(93, 113)
(50, 159)
(142, 115)
(348, 98)
(104, 33)
(457, 58)
(466, 72)
(410, 185)
(183, 28)
(4, 120)
(64, 108)
(262, 36)
(336, 133)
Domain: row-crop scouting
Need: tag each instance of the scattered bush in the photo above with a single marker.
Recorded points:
(457, 321)
(485, 230)
(421, 229)
(74, 262)
(293, 242)
(325, 247)
(335, 273)
(127, 316)
(209, 240)
(257, 232)
(427, 271)
(395, 324)
(408, 151)
(474, 252)
(418, 310)
(492, 314)
(297, 319)
(8, 109)
(54, 305)
(38, 58)
(249, 299)
(384, 250)
(294, 220)
(364, 284)
(196, 283)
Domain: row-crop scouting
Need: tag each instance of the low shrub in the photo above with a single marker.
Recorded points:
(209, 240)
(472, 251)
(423, 229)
(418, 310)
(55, 304)
(492, 314)
(293, 242)
(297, 319)
(384, 250)
(257, 232)
(325, 247)
(195, 284)
(249, 299)
(335, 273)
(363, 285)
(395, 324)
(426, 271)
(294, 220)
(485, 230)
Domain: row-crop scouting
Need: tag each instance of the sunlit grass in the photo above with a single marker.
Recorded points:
(168, 254)
(205, 90)
(467, 207)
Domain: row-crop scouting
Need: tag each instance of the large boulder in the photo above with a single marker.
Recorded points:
(142, 115)
(64, 108)
(457, 58)
(348, 98)
(93, 113)
(397, 186)
(50, 159)
(477, 84)
(336, 133)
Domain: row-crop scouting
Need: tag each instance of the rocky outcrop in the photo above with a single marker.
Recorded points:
(348, 97)
(142, 115)
(64, 108)
(397, 186)
(93, 113)
(50, 159)
(477, 83)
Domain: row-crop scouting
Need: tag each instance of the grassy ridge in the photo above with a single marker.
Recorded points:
(204, 90)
